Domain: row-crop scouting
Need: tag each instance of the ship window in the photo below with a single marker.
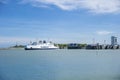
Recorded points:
(44, 41)
(34, 43)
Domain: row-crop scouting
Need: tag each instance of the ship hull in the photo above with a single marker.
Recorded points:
(40, 48)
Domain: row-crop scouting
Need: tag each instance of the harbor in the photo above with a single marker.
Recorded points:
(59, 39)
(96, 46)
(44, 45)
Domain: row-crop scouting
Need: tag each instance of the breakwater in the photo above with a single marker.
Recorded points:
(87, 46)
(103, 47)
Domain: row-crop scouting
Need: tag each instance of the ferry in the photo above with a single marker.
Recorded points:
(41, 45)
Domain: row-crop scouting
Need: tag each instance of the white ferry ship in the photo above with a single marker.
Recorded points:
(41, 45)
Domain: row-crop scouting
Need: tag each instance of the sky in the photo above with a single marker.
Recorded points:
(59, 21)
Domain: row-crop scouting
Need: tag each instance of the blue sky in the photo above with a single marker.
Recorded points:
(61, 21)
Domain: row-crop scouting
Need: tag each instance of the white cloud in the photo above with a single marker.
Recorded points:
(104, 32)
(95, 6)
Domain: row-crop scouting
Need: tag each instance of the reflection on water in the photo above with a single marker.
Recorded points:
(60, 65)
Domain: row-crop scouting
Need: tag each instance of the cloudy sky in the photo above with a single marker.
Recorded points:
(61, 21)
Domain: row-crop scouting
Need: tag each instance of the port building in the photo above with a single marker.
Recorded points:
(113, 40)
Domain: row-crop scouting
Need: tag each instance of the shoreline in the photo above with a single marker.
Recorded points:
(74, 46)
(58, 49)
(9, 48)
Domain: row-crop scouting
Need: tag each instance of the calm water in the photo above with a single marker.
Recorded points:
(60, 65)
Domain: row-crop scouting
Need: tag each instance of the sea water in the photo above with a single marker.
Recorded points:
(18, 64)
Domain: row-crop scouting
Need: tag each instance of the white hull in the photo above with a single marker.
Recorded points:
(41, 46)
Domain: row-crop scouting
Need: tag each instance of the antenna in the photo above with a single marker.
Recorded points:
(93, 40)
(16, 44)
(104, 42)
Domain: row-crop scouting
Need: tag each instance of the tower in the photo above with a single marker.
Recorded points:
(113, 40)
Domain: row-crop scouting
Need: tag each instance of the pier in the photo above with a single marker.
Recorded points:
(101, 47)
